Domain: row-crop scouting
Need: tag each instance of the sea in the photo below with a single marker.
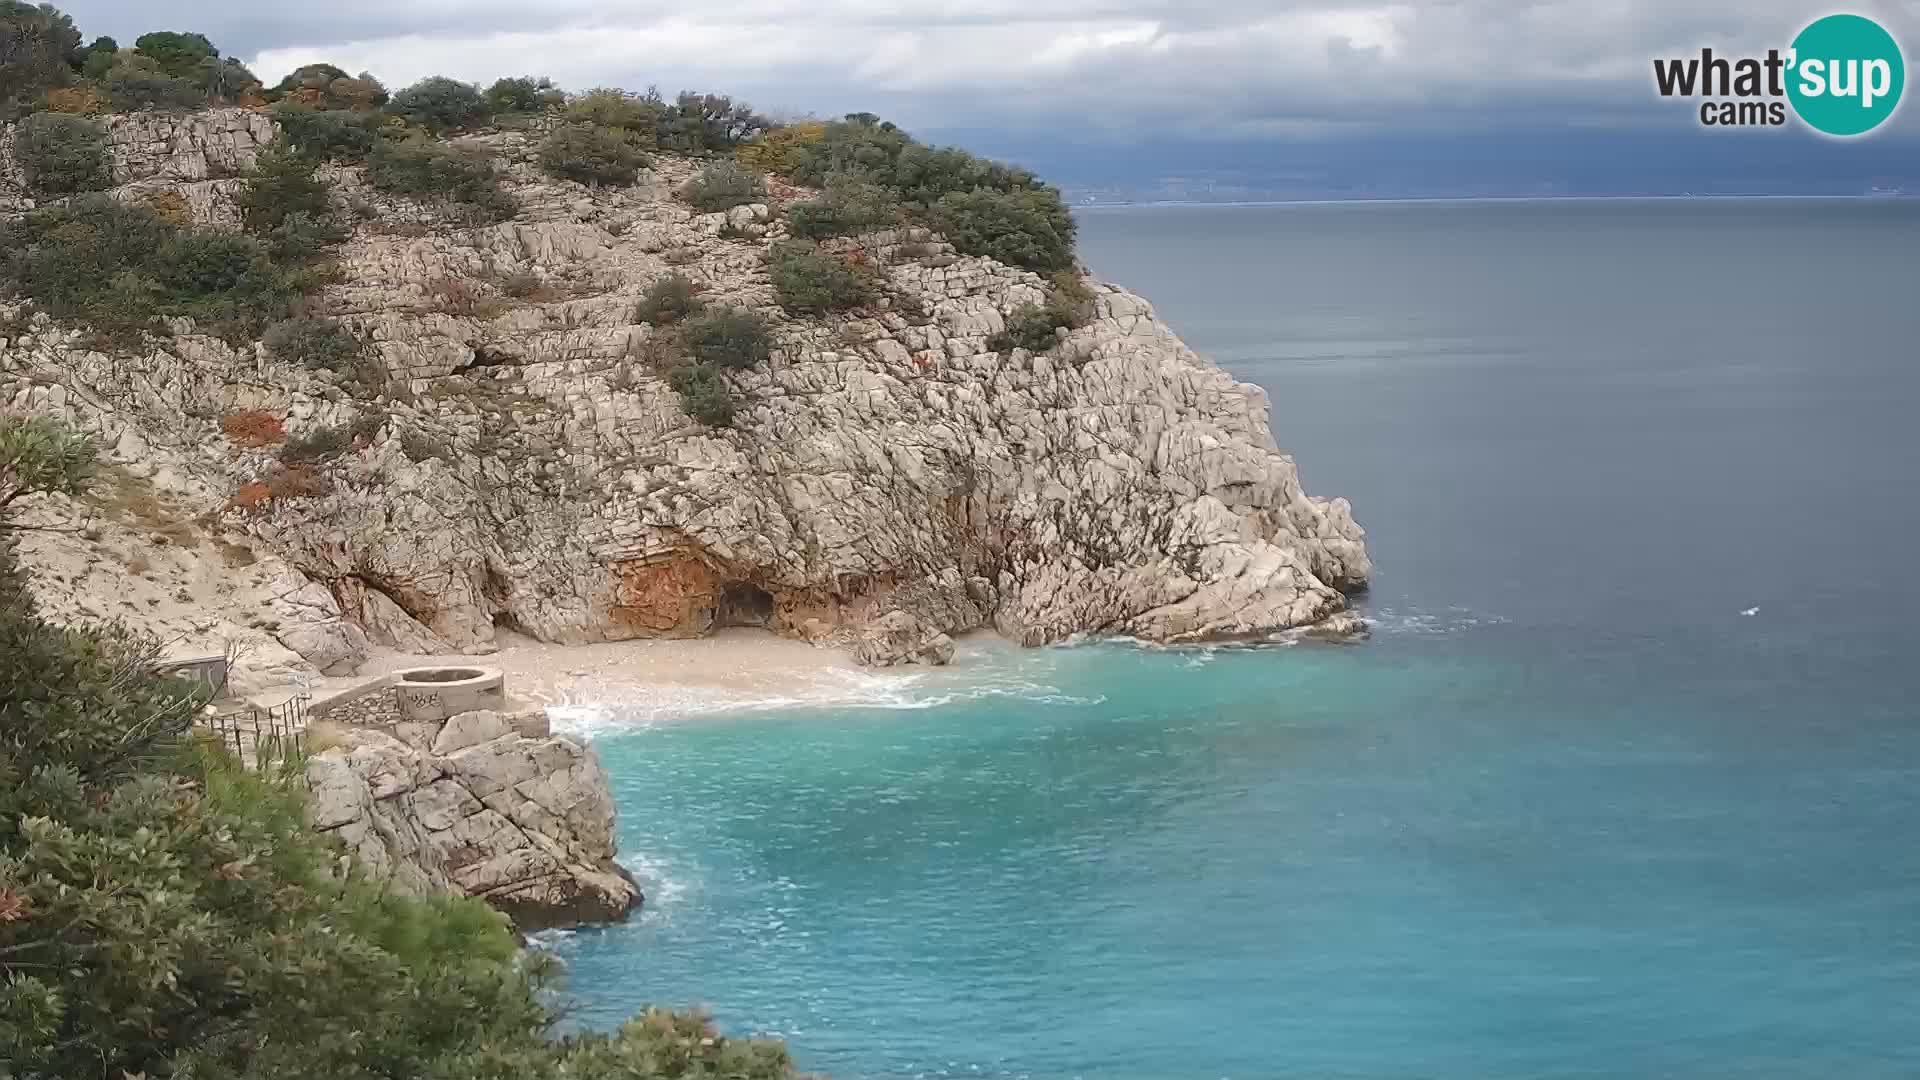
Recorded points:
(1626, 782)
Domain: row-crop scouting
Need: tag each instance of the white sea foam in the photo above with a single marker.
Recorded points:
(981, 670)
(1451, 620)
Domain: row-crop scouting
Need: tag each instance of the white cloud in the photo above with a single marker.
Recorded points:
(1151, 65)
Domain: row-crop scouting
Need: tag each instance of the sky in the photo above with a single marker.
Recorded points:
(1050, 77)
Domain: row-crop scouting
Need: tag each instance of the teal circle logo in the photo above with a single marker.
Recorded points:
(1845, 75)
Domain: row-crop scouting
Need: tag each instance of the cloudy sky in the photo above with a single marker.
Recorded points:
(1096, 70)
(1242, 66)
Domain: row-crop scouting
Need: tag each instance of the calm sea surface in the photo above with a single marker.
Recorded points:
(1577, 810)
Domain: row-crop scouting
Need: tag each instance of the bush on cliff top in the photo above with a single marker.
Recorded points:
(984, 207)
(62, 154)
(524, 94)
(326, 88)
(592, 154)
(165, 913)
(440, 104)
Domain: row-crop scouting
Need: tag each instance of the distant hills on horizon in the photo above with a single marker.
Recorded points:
(1470, 165)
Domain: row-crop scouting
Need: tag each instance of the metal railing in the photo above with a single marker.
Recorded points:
(261, 737)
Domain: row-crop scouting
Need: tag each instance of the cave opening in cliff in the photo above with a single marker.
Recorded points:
(742, 604)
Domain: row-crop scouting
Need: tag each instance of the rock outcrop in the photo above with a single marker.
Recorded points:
(889, 480)
(475, 807)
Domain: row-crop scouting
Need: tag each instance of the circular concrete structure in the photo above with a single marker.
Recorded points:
(432, 694)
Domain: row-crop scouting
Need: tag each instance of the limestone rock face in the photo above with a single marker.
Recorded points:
(475, 808)
(900, 637)
(889, 480)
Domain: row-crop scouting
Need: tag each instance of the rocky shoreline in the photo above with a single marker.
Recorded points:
(891, 480)
(482, 804)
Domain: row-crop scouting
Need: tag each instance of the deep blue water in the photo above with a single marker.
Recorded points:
(1570, 813)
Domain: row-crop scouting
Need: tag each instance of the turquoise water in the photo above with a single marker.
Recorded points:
(1572, 812)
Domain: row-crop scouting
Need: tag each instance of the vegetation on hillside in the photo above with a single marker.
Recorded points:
(164, 913)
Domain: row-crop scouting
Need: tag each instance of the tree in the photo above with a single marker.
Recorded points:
(178, 54)
(524, 94)
(37, 47)
(440, 104)
(137, 81)
(97, 57)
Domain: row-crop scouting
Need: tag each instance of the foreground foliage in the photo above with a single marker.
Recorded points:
(163, 913)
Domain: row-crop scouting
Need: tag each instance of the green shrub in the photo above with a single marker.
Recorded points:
(524, 94)
(639, 114)
(437, 172)
(1070, 300)
(775, 150)
(984, 207)
(1029, 327)
(328, 134)
(810, 281)
(668, 300)
(284, 203)
(1035, 327)
(730, 338)
(62, 154)
(704, 393)
(177, 54)
(706, 123)
(724, 185)
(1021, 228)
(315, 445)
(118, 269)
(848, 207)
(137, 82)
(314, 343)
(440, 104)
(592, 154)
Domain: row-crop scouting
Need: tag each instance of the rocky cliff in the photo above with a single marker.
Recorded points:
(889, 479)
(477, 807)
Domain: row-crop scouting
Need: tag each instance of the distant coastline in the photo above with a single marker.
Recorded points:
(1425, 199)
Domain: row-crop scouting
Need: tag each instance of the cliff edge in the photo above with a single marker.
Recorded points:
(889, 477)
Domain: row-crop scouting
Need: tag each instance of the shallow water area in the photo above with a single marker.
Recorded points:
(1624, 783)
